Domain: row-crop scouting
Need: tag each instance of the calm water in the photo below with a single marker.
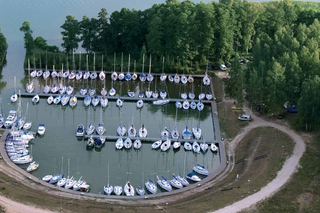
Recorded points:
(59, 141)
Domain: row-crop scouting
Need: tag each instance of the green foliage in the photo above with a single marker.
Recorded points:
(3, 49)
(28, 39)
(40, 42)
(70, 34)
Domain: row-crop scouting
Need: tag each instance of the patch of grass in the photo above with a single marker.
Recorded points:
(228, 119)
(1, 131)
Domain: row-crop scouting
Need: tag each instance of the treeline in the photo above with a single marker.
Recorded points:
(3, 50)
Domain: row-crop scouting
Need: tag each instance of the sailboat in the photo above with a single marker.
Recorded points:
(33, 166)
(121, 74)
(156, 144)
(143, 132)
(209, 96)
(175, 183)
(166, 145)
(200, 106)
(204, 146)
(40, 72)
(14, 97)
(103, 101)
(57, 99)
(127, 143)
(121, 130)
(132, 132)
(117, 190)
(197, 132)
(90, 143)
(114, 75)
(73, 101)
(94, 74)
(150, 76)
(182, 180)
(119, 143)
(95, 100)
(30, 85)
(86, 75)
(128, 189)
(187, 146)
(91, 127)
(163, 76)
(50, 100)
(140, 190)
(140, 103)
(143, 76)
(87, 100)
(28, 124)
(33, 74)
(102, 75)
(137, 144)
(176, 145)
(108, 189)
(175, 133)
(35, 99)
(100, 128)
(184, 78)
(214, 148)
(79, 74)
(196, 147)
(164, 184)
(134, 75)
(128, 76)
(165, 133)
(200, 170)
(151, 187)
(206, 80)
(186, 134)
(185, 104)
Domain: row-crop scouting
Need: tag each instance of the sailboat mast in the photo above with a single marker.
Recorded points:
(150, 65)
(67, 63)
(129, 64)
(121, 61)
(143, 63)
(87, 63)
(163, 64)
(29, 69)
(114, 62)
(80, 61)
(135, 64)
(94, 61)
(73, 62)
(102, 63)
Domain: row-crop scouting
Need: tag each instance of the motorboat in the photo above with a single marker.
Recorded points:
(95, 100)
(176, 145)
(137, 144)
(200, 170)
(164, 184)
(73, 101)
(141, 94)
(176, 79)
(161, 102)
(182, 180)
(86, 75)
(21, 159)
(33, 166)
(99, 142)
(72, 75)
(128, 189)
(83, 91)
(166, 145)
(55, 178)
(90, 128)
(184, 79)
(54, 88)
(143, 77)
(163, 94)
(104, 92)
(119, 102)
(80, 130)
(92, 91)
(149, 94)
(202, 96)
(196, 147)
(112, 92)
(121, 130)
(193, 105)
(117, 190)
(41, 129)
(155, 95)
(185, 104)
(127, 143)
(50, 100)
(57, 100)
(196, 132)
(93, 75)
(170, 78)
(214, 148)
(46, 74)
(184, 96)
(187, 146)
(178, 104)
(119, 143)
(121, 76)
(102, 75)
(191, 95)
(143, 132)
(132, 132)
(114, 76)
(27, 125)
(206, 80)
(35, 99)
(140, 103)
(175, 183)
(151, 187)
(87, 100)
(100, 129)
(204, 147)
(190, 79)
(165, 133)
(30, 87)
(108, 189)
(47, 178)
(200, 106)
(186, 134)
(14, 97)
(156, 144)
(128, 77)
(130, 94)
(90, 143)
(69, 90)
(193, 177)
(175, 134)
(103, 101)
(39, 73)
(62, 89)
(209, 96)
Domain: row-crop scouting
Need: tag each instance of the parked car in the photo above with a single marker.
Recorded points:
(223, 67)
(244, 118)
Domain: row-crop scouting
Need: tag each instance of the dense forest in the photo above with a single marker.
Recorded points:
(3, 50)
(282, 38)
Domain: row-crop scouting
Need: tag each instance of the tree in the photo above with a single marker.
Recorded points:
(70, 34)
(104, 34)
(89, 33)
(28, 39)
(3, 48)
(40, 43)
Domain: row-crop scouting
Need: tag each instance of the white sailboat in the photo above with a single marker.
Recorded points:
(196, 147)
(128, 76)
(14, 97)
(166, 146)
(214, 148)
(119, 143)
(156, 144)
(140, 103)
(206, 80)
(127, 143)
(143, 76)
(200, 170)
(143, 132)
(140, 190)
(137, 144)
(151, 187)
(163, 76)
(108, 189)
(164, 184)
(150, 76)
(121, 74)
(128, 189)
(30, 85)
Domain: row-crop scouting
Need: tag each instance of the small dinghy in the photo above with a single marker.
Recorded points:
(202, 96)
(47, 178)
(128, 189)
(108, 189)
(140, 103)
(103, 92)
(87, 100)
(41, 129)
(148, 94)
(69, 90)
(155, 95)
(121, 130)
(132, 132)
(57, 100)
(104, 101)
(165, 146)
(151, 187)
(176, 79)
(190, 79)
(175, 134)
(214, 148)
(119, 102)
(176, 145)
(39, 73)
(117, 190)
(209, 96)
(196, 132)
(112, 92)
(90, 128)
(187, 146)
(72, 75)
(200, 170)
(73, 101)
(33, 166)
(127, 143)
(161, 102)
(121, 76)
(178, 104)
(193, 177)
(164, 184)
(156, 144)
(170, 78)
(163, 94)
(184, 96)
(175, 183)
(80, 130)
(185, 104)
(184, 79)
(50, 100)
(79, 75)
(90, 143)
(206, 80)
(182, 180)
(191, 95)
(95, 101)
(186, 134)
(114, 76)
(137, 144)
(196, 147)
(86, 75)
(102, 75)
(134, 76)
(143, 132)
(204, 147)
(193, 105)
(92, 91)
(119, 143)
(200, 106)
(100, 129)
(130, 94)
(35, 99)
(93, 75)
(165, 133)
